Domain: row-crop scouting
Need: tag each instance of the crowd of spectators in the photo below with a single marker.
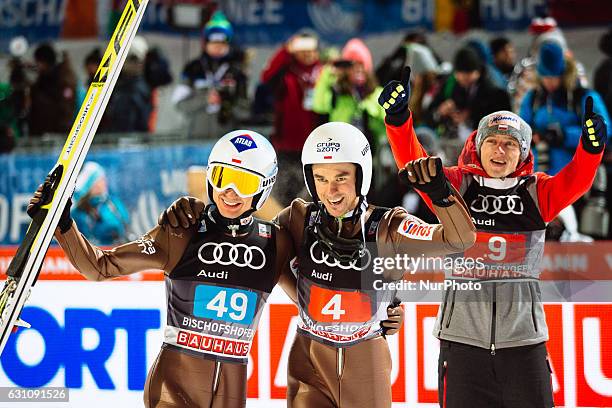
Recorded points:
(304, 84)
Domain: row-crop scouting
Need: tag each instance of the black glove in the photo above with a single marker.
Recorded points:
(394, 99)
(426, 174)
(42, 197)
(395, 315)
(594, 133)
(184, 212)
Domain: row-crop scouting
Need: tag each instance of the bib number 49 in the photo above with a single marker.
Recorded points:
(238, 304)
(225, 304)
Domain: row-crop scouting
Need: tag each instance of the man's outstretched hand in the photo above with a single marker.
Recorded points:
(394, 97)
(594, 132)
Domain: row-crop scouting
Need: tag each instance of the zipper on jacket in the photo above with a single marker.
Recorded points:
(533, 304)
(450, 312)
(443, 312)
(493, 318)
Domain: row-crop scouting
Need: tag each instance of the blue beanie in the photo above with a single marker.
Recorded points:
(218, 28)
(551, 60)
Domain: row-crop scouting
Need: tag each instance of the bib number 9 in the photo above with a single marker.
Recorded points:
(225, 304)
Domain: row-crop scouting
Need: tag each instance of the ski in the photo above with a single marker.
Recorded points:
(25, 266)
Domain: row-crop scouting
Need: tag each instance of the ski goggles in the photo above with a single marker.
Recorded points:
(244, 183)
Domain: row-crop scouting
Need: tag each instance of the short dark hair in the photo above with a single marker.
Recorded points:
(94, 57)
(45, 53)
(498, 44)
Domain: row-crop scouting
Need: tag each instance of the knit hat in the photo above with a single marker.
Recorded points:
(505, 123)
(355, 50)
(218, 28)
(90, 173)
(467, 60)
(551, 61)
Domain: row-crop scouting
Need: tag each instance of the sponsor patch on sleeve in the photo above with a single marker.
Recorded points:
(412, 227)
(265, 231)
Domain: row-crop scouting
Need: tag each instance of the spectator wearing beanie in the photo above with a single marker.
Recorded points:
(504, 55)
(466, 96)
(554, 109)
(214, 86)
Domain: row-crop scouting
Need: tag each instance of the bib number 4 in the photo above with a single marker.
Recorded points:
(331, 306)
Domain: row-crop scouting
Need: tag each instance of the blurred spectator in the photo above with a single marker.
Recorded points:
(91, 64)
(7, 138)
(347, 91)
(504, 56)
(554, 108)
(291, 74)
(156, 74)
(424, 77)
(101, 217)
(463, 99)
(17, 103)
(602, 81)
(486, 56)
(130, 105)
(8, 118)
(53, 93)
(392, 65)
(524, 76)
(214, 88)
(564, 228)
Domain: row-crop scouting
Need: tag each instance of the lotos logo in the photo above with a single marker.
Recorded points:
(415, 229)
(243, 142)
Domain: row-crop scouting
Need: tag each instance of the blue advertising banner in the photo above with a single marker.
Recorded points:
(255, 21)
(145, 179)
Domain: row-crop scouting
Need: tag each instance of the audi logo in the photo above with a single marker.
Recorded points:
(328, 260)
(224, 253)
(490, 204)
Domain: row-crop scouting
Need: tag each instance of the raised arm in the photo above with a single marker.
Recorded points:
(398, 121)
(557, 192)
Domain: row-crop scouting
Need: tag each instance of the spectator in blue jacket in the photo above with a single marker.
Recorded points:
(554, 108)
(102, 218)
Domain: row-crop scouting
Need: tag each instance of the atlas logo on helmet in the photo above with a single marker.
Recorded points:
(243, 142)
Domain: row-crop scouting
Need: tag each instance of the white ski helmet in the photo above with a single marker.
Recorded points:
(338, 142)
(249, 153)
